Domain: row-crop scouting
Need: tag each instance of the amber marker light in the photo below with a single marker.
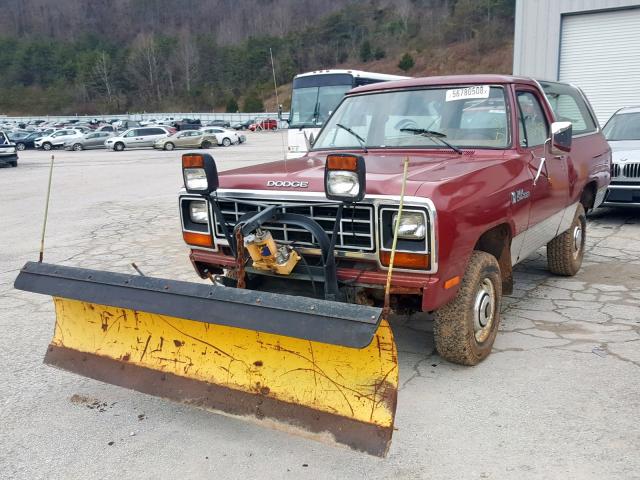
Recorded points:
(452, 282)
(418, 261)
(198, 239)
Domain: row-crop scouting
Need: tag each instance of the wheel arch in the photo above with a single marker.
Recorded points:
(588, 195)
(497, 242)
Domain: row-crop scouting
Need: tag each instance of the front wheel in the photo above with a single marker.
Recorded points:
(14, 163)
(565, 252)
(118, 147)
(77, 147)
(47, 146)
(465, 328)
(20, 146)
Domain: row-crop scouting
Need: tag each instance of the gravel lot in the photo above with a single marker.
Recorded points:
(558, 398)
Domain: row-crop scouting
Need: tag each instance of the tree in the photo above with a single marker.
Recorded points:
(253, 103)
(366, 52)
(232, 105)
(103, 73)
(406, 63)
(379, 53)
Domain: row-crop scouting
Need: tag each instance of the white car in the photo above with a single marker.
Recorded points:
(225, 137)
(8, 154)
(58, 138)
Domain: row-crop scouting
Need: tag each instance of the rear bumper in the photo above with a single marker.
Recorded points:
(424, 285)
(621, 194)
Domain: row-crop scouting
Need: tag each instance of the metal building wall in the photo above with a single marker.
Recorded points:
(536, 45)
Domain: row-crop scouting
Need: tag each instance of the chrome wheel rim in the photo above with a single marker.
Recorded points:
(484, 310)
(577, 240)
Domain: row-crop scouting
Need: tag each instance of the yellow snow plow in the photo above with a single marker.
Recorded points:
(319, 367)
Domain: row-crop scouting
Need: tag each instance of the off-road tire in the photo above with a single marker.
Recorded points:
(169, 146)
(206, 144)
(565, 253)
(453, 329)
(77, 147)
(47, 146)
(226, 142)
(20, 146)
(118, 147)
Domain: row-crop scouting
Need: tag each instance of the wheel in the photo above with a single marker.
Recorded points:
(14, 163)
(47, 146)
(20, 146)
(465, 328)
(274, 128)
(206, 144)
(226, 141)
(77, 147)
(118, 147)
(565, 252)
(169, 146)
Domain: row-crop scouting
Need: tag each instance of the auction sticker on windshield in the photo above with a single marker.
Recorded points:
(477, 91)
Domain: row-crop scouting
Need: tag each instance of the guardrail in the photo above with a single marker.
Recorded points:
(231, 117)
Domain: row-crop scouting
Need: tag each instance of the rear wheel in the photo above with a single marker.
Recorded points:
(47, 146)
(77, 147)
(169, 146)
(118, 147)
(274, 127)
(565, 252)
(465, 328)
(20, 146)
(226, 141)
(206, 144)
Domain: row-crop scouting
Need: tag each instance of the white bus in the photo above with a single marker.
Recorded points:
(315, 95)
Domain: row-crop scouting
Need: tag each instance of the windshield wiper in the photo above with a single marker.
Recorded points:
(358, 137)
(432, 134)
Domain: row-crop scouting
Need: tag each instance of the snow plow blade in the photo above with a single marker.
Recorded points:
(323, 369)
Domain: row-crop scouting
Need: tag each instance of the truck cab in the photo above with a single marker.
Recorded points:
(489, 169)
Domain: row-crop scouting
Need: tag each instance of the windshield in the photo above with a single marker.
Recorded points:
(472, 116)
(314, 98)
(624, 126)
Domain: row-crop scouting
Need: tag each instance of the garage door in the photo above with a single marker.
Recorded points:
(600, 52)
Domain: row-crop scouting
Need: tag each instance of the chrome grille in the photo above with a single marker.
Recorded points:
(615, 170)
(355, 232)
(631, 170)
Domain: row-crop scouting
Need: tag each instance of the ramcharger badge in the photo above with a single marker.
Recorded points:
(286, 183)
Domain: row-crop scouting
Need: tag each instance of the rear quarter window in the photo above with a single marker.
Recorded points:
(568, 105)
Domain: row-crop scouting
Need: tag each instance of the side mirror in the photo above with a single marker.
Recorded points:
(561, 137)
(200, 173)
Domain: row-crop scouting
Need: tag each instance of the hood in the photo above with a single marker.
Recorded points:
(625, 151)
(384, 171)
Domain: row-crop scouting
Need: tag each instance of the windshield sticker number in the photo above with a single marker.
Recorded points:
(478, 91)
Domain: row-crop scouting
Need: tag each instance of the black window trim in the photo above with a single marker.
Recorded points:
(523, 88)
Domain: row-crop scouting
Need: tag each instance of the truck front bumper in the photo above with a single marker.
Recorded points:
(7, 159)
(403, 283)
(622, 194)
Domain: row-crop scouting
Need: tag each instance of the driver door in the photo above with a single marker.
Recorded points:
(547, 190)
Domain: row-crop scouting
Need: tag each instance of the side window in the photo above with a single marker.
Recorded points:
(534, 129)
(132, 133)
(568, 105)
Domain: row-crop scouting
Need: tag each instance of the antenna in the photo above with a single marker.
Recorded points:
(275, 87)
(46, 211)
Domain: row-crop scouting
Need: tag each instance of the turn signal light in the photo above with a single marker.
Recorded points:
(198, 239)
(342, 162)
(418, 261)
(192, 161)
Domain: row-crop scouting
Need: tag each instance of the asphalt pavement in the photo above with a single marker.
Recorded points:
(557, 399)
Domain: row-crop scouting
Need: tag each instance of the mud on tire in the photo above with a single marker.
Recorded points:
(565, 252)
(460, 336)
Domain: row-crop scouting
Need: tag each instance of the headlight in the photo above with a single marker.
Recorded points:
(412, 226)
(195, 179)
(198, 212)
(343, 183)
